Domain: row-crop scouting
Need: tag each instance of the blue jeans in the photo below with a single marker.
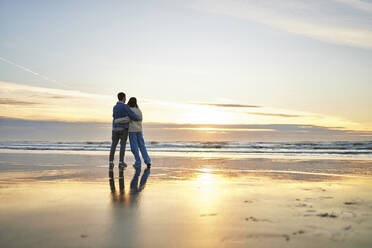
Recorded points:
(138, 144)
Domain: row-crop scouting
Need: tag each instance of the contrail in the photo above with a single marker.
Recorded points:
(33, 72)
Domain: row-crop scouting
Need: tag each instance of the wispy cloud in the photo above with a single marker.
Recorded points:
(228, 105)
(258, 132)
(39, 103)
(300, 128)
(274, 114)
(316, 19)
(16, 129)
(50, 80)
(363, 5)
(8, 101)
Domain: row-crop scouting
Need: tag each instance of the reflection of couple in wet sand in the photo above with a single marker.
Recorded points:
(135, 189)
(127, 120)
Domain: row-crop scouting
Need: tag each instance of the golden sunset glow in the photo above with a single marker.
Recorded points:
(188, 71)
(187, 124)
(66, 105)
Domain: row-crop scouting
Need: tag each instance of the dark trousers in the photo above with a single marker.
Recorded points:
(116, 136)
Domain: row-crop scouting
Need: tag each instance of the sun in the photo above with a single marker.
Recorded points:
(206, 115)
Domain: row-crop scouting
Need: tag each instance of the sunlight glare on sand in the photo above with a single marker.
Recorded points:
(208, 186)
(205, 178)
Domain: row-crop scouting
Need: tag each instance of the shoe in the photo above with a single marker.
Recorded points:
(111, 165)
(122, 165)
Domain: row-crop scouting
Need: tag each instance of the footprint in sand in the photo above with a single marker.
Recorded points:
(253, 219)
(325, 215)
(299, 232)
(204, 215)
(268, 235)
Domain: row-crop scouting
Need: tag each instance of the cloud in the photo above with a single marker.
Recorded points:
(33, 72)
(60, 97)
(362, 5)
(228, 105)
(39, 103)
(326, 20)
(17, 129)
(257, 132)
(276, 115)
(268, 127)
(8, 101)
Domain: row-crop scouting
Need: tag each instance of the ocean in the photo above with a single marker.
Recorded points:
(338, 149)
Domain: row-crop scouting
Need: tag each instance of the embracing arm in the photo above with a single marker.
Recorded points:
(132, 115)
(122, 120)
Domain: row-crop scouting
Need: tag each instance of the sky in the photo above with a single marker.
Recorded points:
(238, 69)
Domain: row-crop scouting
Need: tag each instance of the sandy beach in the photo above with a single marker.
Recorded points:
(255, 117)
(67, 200)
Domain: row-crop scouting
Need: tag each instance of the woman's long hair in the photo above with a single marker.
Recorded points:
(132, 102)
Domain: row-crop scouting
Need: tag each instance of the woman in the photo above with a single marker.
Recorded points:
(136, 137)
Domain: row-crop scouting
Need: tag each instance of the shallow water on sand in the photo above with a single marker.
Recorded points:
(68, 201)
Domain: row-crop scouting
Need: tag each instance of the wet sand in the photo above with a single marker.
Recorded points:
(64, 200)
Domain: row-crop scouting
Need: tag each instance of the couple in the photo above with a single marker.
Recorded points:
(128, 119)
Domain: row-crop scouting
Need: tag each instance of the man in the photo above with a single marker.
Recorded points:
(120, 130)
